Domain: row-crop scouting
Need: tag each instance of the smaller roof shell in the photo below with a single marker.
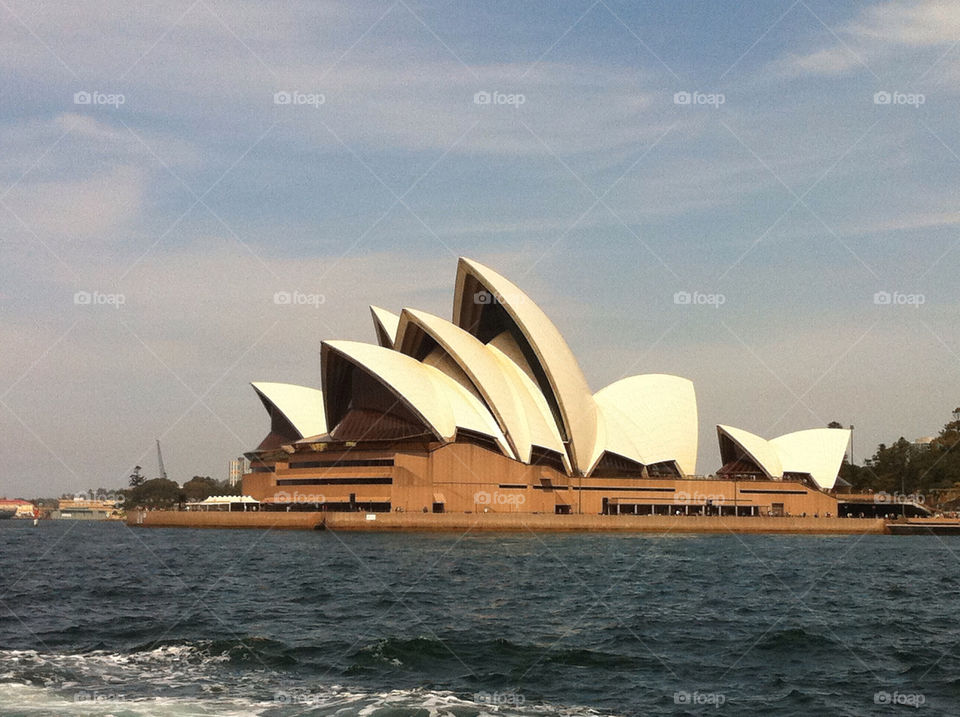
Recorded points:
(302, 406)
(756, 448)
(817, 451)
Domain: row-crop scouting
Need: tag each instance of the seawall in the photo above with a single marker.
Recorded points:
(460, 522)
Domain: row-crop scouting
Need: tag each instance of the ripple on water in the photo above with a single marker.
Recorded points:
(307, 623)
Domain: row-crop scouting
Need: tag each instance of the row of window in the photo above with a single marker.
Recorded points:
(335, 481)
(342, 463)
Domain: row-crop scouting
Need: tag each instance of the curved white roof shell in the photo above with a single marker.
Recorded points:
(567, 384)
(479, 365)
(539, 429)
(502, 370)
(385, 323)
(300, 405)
(649, 419)
(440, 402)
(758, 449)
(817, 451)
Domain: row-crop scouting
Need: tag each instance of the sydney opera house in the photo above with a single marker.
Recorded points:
(490, 411)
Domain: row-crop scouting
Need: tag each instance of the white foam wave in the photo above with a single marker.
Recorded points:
(32, 701)
(181, 680)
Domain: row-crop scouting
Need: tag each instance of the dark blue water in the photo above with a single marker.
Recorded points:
(102, 619)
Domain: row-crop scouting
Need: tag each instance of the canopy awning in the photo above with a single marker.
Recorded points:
(215, 500)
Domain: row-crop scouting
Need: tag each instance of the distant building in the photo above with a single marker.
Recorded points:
(238, 466)
(87, 510)
(924, 442)
(24, 508)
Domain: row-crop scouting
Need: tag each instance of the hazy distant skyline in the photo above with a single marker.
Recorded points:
(799, 160)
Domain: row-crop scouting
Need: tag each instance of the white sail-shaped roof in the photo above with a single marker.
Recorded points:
(301, 406)
(500, 370)
(563, 383)
(478, 364)
(649, 419)
(539, 426)
(817, 451)
(440, 402)
(756, 448)
(385, 323)
(514, 400)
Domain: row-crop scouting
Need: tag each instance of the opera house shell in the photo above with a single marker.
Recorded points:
(491, 411)
(815, 454)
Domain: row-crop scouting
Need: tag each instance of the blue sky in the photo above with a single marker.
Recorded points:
(796, 193)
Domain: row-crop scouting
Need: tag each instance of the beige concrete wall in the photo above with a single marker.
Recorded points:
(461, 472)
(223, 519)
(601, 523)
(507, 522)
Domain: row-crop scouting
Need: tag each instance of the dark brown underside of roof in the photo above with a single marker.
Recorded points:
(741, 466)
(275, 440)
(615, 465)
(361, 424)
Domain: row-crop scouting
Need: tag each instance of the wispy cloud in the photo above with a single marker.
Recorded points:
(881, 34)
(200, 196)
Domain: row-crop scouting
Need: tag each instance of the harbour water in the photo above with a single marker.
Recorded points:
(103, 619)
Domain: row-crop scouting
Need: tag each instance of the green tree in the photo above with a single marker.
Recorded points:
(932, 468)
(200, 487)
(154, 493)
(136, 478)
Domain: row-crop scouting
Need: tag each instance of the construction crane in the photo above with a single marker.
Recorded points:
(163, 471)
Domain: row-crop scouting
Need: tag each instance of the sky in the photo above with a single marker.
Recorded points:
(167, 168)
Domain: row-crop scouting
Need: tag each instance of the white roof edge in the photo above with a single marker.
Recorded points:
(387, 321)
(569, 385)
